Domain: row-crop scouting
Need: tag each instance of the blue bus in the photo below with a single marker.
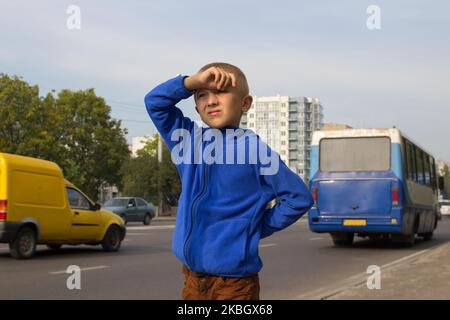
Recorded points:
(374, 183)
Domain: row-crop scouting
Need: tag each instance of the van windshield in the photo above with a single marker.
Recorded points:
(116, 203)
(355, 154)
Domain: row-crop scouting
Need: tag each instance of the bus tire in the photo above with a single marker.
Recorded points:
(427, 235)
(342, 238)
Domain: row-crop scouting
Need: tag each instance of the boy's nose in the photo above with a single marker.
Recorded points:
(212, 100)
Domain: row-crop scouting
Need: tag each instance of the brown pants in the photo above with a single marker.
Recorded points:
(206, 287)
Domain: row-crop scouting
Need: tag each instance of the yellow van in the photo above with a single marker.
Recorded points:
(38, 206)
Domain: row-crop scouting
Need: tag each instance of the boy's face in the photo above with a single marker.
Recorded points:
(219, 109)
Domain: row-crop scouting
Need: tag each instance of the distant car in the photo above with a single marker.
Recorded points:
(445, 207)
(132, 209)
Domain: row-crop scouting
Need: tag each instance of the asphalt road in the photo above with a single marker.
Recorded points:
(296, 261)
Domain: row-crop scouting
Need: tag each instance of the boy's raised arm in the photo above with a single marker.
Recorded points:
(160, 104)
(293, 199)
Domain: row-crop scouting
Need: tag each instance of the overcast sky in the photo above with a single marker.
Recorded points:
(396, 76)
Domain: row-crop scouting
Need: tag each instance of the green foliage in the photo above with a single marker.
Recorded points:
(74, 130)
(143, 174)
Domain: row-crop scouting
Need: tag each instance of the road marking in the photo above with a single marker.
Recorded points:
(314, 239)
(82, 269)
(268, 245)
(151, 228)
(139, 234)
(356, 280)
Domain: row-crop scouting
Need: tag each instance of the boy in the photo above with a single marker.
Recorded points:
(222, 211)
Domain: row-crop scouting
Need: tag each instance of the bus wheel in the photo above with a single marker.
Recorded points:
(427, 236)
(343, 238)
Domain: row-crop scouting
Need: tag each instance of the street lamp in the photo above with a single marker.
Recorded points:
(160, 205)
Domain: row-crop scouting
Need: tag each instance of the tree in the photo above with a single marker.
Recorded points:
(142, 175)
(74, 130)
(95, 144)
(26, 120)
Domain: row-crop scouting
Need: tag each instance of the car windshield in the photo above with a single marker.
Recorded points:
(116, 203)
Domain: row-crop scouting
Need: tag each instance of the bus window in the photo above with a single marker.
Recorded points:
(410, 161)
(434, 175)
(420, 166)
(427, 170)
(355, 154)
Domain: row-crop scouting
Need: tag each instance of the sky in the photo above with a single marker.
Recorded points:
(398, 75)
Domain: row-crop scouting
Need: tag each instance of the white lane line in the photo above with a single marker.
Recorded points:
(151, 228)
(314, 239)
(82, 269)
(139, 234)
(268, 245)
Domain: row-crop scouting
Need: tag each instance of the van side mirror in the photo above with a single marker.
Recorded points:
(97, 206)
(441, 183)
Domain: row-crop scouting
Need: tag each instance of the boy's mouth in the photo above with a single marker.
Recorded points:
(213, 112)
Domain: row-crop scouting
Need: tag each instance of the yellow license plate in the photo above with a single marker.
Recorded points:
(353, 223)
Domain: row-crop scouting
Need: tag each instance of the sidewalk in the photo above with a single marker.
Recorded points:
(426, 276)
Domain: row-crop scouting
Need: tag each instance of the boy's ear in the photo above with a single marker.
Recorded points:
(247, 103)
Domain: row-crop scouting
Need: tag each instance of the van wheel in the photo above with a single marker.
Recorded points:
(54, 246)
(112, 240)
(24, 245)
(147, 219)
(343, 238)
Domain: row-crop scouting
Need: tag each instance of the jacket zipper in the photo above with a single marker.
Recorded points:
(194, 213)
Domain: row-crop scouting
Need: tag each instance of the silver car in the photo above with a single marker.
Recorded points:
(132, 209)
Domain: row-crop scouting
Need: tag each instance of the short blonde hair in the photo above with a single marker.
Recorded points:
(242, 84)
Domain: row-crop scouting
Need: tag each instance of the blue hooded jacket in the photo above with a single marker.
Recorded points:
(222, 213)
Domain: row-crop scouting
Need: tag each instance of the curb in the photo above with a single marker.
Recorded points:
(359, 279)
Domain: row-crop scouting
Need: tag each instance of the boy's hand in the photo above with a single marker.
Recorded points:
(212, 78)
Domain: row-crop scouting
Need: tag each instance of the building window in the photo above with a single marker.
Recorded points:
(283, 143)
(283, 133)
(251, 125)
(283, 152)
(252, 115)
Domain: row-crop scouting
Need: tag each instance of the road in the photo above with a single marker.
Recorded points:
(296, 261)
